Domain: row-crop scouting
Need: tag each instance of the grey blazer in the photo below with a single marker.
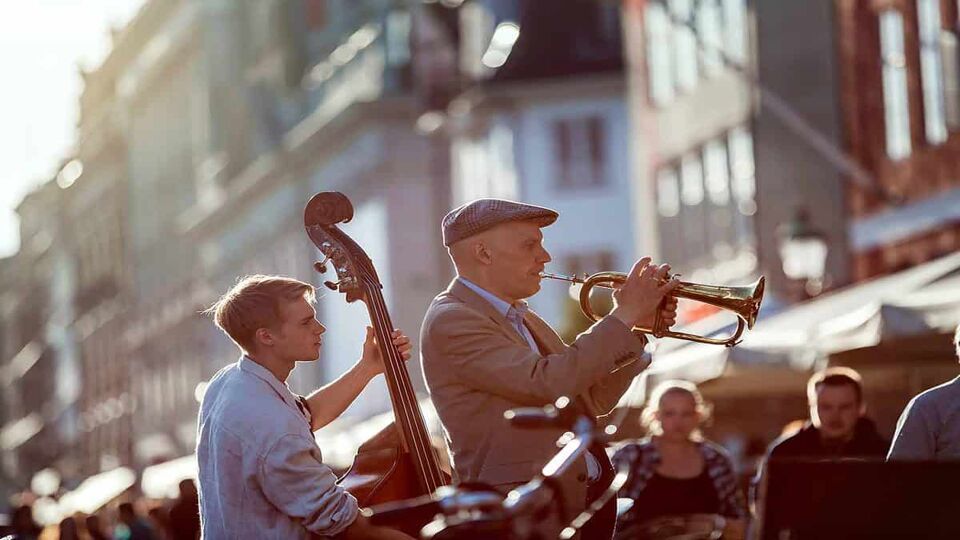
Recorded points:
(477, 366)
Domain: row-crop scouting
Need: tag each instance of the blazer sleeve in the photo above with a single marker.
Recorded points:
(478, 353)
(604, 395)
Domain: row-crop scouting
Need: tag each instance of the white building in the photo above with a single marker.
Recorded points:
(550, 129)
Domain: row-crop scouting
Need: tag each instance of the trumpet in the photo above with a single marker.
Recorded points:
(743, 301)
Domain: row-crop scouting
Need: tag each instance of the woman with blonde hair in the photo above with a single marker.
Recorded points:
(675, 471)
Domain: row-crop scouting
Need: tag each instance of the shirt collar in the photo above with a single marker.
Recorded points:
(501, 305)
(250, 365)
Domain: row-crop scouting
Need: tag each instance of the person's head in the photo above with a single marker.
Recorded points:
(836, 401)
(498, 245)
(22, 519)
(271, 315)
(68, 529)
(675, 411)
(159, 515)
(127, 513)
(188, 490)
(93, 523)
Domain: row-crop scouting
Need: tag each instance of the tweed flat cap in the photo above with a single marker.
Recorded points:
(482, 214)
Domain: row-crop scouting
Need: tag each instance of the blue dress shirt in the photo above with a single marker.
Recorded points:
(261, 473)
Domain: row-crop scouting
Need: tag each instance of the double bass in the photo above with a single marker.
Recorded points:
(398, 462)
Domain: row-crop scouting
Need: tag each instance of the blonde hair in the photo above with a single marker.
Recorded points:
(648, 418)
(956, 340)
(254, 303)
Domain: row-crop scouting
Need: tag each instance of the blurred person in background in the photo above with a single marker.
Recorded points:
(261, 472)
(838, 425)
(23, 525)
(68, 529)
(95, 528)
(929, 427)
(157, 515)
(675, 471)
(838, 428)
(135, 526)
(185, 513)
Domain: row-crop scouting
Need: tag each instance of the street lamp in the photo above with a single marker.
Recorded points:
(803, 252)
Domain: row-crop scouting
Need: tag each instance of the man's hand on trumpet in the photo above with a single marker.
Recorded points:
(638, 299)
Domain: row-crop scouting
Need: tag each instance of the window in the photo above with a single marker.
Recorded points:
(928, 13)
(896, 111)
(687, 39)
(659, 57)
(668, 193)
(951, 79)
(398, 37)
(742, 168)
(580, 151)
(715, 172)
(709, 29)
(684, 43)
(691, 180)
(734, 24)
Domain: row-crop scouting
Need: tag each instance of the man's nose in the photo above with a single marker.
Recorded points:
(321, 328)
(545, 256)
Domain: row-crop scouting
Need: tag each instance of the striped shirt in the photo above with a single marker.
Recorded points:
(642, 459)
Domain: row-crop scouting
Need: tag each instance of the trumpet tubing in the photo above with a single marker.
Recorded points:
(743, 301)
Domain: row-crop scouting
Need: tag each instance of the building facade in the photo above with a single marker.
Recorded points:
(693, 175)
(41, 368)
(880, 89)
(545, 121)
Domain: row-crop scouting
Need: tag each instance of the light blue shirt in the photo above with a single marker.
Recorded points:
(514, 314)
(929, 427)
(262, 475)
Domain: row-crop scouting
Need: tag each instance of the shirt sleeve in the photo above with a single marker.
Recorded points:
(916, 437)
(732, 502)
(295, 479)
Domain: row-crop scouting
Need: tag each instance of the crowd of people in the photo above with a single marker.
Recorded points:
(675, 472)
(138, 519)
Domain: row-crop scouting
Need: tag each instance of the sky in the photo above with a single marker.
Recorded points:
(42, 42)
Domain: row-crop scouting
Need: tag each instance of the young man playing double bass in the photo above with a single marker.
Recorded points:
(484, 352)
(261, 472)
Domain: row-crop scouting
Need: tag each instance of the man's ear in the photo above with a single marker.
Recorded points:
(482, 254)
(264, 337)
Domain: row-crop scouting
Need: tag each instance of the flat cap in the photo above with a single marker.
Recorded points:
(482, 214)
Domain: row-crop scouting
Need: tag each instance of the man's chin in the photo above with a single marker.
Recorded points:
(311, 358)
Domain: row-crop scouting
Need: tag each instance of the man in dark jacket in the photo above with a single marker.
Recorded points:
(838, 428)
(185, 513)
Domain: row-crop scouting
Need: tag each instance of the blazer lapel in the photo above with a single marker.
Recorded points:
(548, 340)
(460, 291)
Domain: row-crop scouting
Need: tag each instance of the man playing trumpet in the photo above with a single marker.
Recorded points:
(484, 352)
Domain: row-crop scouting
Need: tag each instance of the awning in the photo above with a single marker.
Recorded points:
(919, 301)
(163, 480)
(20, 431)
(97, 491)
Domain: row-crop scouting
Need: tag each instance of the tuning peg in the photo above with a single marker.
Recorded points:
(331, 285)
(321, 266)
